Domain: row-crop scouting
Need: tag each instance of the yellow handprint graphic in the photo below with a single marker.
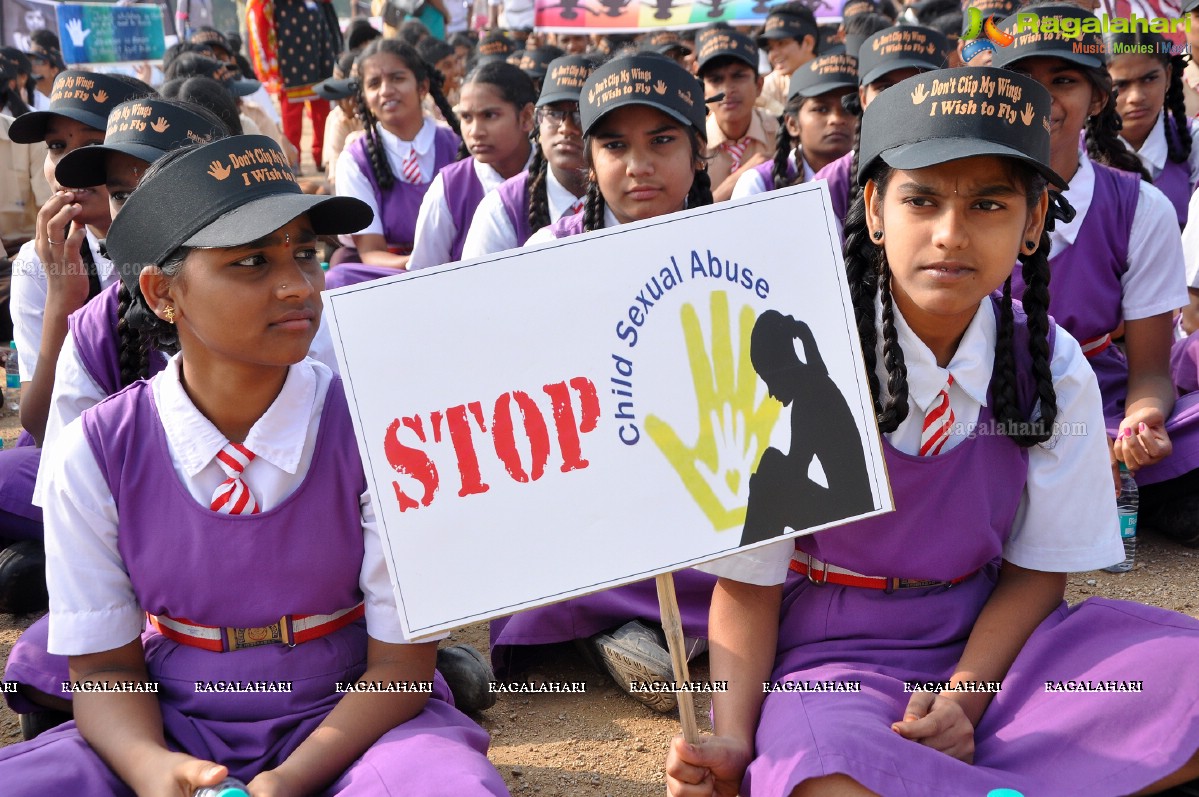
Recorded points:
(734, 427)
(919, 95)
(1028, 114)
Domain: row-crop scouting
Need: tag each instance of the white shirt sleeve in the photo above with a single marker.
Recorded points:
(542, 236)
(27, 304)
(764, 566)
(1155, 281)
(1067, 520)
(748, 184)
(491, 230)
(350, 181)
(435, 229)
(92, 604)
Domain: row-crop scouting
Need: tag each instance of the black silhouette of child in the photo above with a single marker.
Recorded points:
(781, 493)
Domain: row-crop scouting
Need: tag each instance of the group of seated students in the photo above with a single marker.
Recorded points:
(188, 466)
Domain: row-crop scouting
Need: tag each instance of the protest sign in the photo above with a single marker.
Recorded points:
(639, 16)
(553, 421)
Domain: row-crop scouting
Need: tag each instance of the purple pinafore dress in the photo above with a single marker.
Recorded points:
(766, 170)
(246, 571)
(463, 193)
(583, 617)
(1085, 299)
(840, 179)
(514, 196)
(953, 514)
(1175, 178)
(93, 330)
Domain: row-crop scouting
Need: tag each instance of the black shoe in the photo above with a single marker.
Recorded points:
(635, 655)
(1177, 520)
(469, 677)
(37, 722)
(23, 578)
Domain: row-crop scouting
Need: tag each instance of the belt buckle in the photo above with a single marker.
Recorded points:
(893, 584)
(823, 572)
(277, 633)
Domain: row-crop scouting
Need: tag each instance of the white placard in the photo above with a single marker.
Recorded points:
(561, 419)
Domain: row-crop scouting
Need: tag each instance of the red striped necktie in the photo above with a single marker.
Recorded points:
(232, 496)
(575, 208)
(736, 151)
(938, 422)
(410, 168)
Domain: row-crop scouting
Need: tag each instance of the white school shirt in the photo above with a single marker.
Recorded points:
(75, 391)
(435, 227)
(1190, 243)
(516, 14)
(1066, 519)
(28, 303)
(1155, 152)
(92, 604)
(350, 181)
(491, 230)
(1156, 278)
(751, 182)
(545, 234)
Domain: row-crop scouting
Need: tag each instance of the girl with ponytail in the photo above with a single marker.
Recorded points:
(816, 127)
(1118, 272)
(392, 165)
(553, 185)
(1147, 81)
(918, 651)
(643, 150)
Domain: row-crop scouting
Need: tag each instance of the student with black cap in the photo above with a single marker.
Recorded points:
(535, 62)
(740, 135)
(100, 354)
(668, 43)
(643, 130)
(1118, 269)
(884, 59)
(790, 38)
(816, 129)
(217, 247)
(554, 184)
(18, 74)
(955, 171)
(45, 66)
(53, 275)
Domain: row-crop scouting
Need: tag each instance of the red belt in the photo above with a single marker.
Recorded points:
(821, 573)
(290, 629)
(1095, 346)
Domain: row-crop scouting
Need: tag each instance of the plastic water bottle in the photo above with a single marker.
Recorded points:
(229, 787)
(12, 378)
(1127, 505)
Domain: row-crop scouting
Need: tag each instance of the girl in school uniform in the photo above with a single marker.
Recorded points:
(496, 110)
(644, 155)
(553, 185)
(815, 129)
(884, 59)
(1118, 271)
(53, 275)
(1149, 99)
(229, 276)
(392, 166)
(929, 651)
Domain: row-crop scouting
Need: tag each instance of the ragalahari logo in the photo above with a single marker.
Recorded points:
(982, 34)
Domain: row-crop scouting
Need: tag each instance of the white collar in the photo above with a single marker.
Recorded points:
(970, 365)
(278, 436)
(489, 177)
(422, 143)
(1155, 150)
(560, 199)
(1078, 194)
(808, 174)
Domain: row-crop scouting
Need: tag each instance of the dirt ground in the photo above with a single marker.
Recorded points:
(603, 744)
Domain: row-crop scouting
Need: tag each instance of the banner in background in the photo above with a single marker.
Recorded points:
(553, 421)
(98, 33)
(637, 16)
(22, 17)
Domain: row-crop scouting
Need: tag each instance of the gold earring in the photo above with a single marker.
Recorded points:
(169, 313)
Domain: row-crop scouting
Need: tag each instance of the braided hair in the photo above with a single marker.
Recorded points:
(133, 354)
(698, 195)
(784, 145)
(1178, 134)
(869, 277)
(1103, 130)
(536, 188)
(424, 73)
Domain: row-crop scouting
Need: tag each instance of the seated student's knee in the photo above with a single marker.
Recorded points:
(832, 786)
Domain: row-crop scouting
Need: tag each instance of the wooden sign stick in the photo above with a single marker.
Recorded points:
(672, 624)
